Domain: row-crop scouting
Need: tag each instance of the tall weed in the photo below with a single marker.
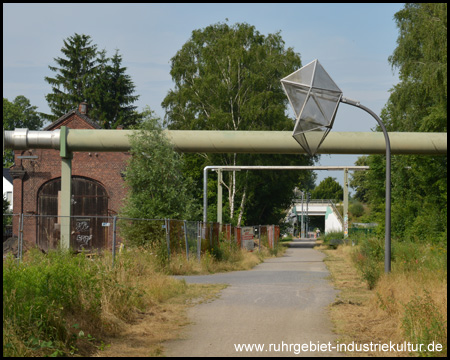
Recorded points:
(39, 292)
(414, 292)
(59, 303)
(423, 323)
(368, 258)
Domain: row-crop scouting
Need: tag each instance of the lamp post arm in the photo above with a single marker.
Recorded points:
(366, 109)
(387, 241)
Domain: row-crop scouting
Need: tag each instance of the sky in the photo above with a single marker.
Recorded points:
(351, 41)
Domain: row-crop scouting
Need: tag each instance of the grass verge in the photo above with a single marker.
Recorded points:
(409, 305)
(62, 304)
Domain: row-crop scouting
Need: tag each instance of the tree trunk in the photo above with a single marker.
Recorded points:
(241, 211)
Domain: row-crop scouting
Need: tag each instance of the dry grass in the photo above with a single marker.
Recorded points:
(93, 307)
(144, 336)
(234, 260)
(167, 300)
(157, 317)
(363, 316)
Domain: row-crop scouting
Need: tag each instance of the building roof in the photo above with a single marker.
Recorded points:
(86, 118)
(7, 175)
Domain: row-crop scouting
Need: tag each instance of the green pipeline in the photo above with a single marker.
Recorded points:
(269, 142)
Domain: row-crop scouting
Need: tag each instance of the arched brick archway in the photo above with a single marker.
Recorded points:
(89, 199)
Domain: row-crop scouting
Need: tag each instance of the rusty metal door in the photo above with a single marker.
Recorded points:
(89, 199)
(48, 228)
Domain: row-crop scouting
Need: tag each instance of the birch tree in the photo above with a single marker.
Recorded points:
(228, 78)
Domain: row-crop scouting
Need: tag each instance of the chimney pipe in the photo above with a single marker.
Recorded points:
(83, 108)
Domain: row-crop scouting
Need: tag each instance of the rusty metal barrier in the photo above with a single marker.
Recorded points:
(98, 233)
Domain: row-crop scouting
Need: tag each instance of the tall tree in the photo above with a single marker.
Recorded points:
(112, 96)
(417, 103)
(86, 74)
(74, 77)
(19, 114)
(328, 188)
(157, 186)
(358, 180)
(228, 78)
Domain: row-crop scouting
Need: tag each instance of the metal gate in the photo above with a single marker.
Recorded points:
(89, 199)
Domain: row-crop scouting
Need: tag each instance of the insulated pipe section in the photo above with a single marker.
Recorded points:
(268, 142)
(282, 142)
(23, 139)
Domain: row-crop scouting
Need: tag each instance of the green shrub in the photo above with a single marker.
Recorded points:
(339, 235)
(227, 251)
(369, 259)
(356, 209)
(405, 256)
(373, 248)
(370, 269)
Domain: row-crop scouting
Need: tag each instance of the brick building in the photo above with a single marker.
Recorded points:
(98, 189)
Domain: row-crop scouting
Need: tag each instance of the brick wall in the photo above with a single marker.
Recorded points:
(30, 174)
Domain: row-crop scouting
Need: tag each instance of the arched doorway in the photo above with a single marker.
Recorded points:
(89, 199)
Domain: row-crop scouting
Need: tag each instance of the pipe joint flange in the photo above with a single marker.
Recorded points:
(20, 139)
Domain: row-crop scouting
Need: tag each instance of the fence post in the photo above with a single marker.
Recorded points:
(210, 236)
(274, 237)
(273, 232)
(166, 221)
(259, 240)
(114, 240)
(239, 236)
(230, 239)
(199, 240)
(20, 239)
(186, 240)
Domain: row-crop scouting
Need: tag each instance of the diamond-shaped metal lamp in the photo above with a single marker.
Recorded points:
(315, 98)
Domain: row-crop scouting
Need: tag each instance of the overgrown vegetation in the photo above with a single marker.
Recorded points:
(225, 257)
(406, 256)
(59, 303)
(63, 304)
(410, 302)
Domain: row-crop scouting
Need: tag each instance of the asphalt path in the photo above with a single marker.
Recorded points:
(280, 304)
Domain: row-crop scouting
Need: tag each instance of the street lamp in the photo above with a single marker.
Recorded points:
(315, 98)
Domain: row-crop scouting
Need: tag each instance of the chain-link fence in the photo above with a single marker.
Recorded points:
(12, 227)
(99, 233)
